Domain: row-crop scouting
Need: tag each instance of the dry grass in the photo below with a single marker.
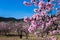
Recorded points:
(31, 37)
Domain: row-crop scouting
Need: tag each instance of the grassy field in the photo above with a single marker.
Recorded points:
(31, 37)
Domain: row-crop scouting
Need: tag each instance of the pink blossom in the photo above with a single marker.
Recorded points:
(55, 18)
(54, 32)
(24, 27)
(34, 16)
(31, 29)
(33, 23)
(50, 22)
(38, 17)
(47, 19)
(26, 19)
(49, 6)
(43, 13)
(53, 38)
(41, 5)
(59, 31)
(47, 24)
(33, 1)
(27, 3)
(39, 23)
(42, 26)
(58, 26)
(31, 18)
(50, 32)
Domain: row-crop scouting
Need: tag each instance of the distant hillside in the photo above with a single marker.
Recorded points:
(9, 19)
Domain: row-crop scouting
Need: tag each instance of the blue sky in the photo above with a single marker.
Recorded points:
(16, 9)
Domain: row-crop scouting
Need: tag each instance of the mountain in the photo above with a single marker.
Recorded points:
(9, 19)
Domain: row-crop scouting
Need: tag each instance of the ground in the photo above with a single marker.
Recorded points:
(31, 37)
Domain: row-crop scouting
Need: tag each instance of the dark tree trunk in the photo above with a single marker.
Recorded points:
(20, 34)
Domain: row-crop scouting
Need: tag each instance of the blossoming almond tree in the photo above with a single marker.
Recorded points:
(41, 21)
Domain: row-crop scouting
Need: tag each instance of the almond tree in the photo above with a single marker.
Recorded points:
(41, 21)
